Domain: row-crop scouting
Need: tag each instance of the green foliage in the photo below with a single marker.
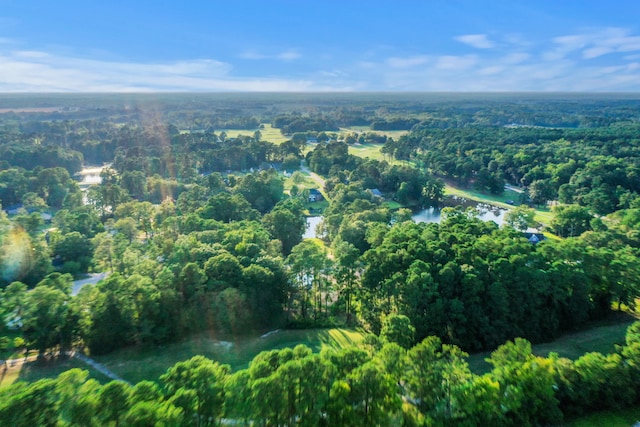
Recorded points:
(398, 329)
(213, 261)
(196, 386)
(571, 220)
(48, 318)
(350, 387)
(261, 189)
(521, 218)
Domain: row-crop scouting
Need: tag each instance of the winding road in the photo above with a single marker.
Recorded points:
(314, 176)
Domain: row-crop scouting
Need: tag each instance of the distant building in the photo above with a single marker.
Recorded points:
(315, 195)
(13, 209)
(534, 237)
(377, 193)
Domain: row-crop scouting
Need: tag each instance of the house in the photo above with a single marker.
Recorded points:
(315, 195)
(377, 193)
(534, 237)
(13, 209)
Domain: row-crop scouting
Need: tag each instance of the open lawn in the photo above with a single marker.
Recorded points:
(36, 370)
(269, 133)
(136, 364)
(395, 134)
(622, 418)
(543, 215)
(302, 179)
(392, 204)
(601, 338)
(371, 151)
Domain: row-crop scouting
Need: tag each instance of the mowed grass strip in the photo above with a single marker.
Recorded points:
(395, 134)
(621, 418)
(601, 339)
(36, 370)
(137, 364)
(268, 133)
(543, 215)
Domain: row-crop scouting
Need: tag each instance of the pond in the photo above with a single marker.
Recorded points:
(312, 223)
(487, 212)
(90, 175)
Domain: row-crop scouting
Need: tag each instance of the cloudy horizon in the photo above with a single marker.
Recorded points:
(458, 46)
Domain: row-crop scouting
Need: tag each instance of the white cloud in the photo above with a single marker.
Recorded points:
(410, 61)
(450, 62)
(491, 70)
(479, 41)
(593, 44)
(287, 55)
(566, 64)
(38, 71)
(595, 51)
(516, 57)
(513, 68)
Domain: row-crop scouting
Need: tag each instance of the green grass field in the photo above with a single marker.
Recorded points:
(371, 151)
(274, 135)
(622, 418)
(395, 134)
(600, 338)
(33, 371)
(269, 133)
(306, 183)
(136, 364)
(543, 215)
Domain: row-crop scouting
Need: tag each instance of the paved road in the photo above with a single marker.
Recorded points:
(91, 280)
(512, 188)
(318, 180)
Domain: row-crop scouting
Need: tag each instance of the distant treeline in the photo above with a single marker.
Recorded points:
(596, 168)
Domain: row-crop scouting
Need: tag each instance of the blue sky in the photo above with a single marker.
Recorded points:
(330, 45)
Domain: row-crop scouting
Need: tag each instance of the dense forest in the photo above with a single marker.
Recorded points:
(198, 231)
(378, 383)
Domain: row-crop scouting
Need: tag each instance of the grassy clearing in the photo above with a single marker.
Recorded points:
(36, 370)
(268, 133)
(371, 151)
(395, 134)
(621, 418)
(302, 180)
(135, 364)
(543, 215)
(497, 200)
(393, 205)
(600, 338)
(315, 208)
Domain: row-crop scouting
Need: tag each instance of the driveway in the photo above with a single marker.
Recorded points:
(91, 280)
